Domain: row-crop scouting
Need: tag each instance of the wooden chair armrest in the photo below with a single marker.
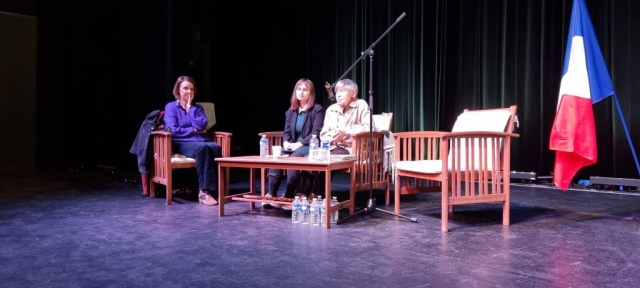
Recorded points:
(420, 134)
(222, 134)
(224, 140)
(271, 133)
(479, 134)
(161, 133)
(365, 135)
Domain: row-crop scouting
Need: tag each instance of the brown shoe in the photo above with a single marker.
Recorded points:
(206, 199)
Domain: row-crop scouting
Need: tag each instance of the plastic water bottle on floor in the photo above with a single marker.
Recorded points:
(264, 146)
(334, 214)
(296, 210)
(323, 212)
(314, 213)
(304, 209)
(313, 148)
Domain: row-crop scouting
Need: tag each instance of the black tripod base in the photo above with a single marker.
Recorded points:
(371, 207)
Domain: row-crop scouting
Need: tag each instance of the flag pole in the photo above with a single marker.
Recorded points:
(626, 130)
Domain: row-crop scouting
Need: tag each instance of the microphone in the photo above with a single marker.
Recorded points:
(329, 91)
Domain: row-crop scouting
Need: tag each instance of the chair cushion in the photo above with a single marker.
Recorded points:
(482, 121)
(420, 166)
(210, 111)
(179, 158)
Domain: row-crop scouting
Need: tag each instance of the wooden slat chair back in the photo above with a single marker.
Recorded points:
(165, 161)
(360, 148)
(477, 165)
(379, 177)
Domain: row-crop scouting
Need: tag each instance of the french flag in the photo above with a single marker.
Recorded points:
(585, 81)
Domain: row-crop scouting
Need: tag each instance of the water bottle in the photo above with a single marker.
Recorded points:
(314, 213)
(324, 148)
(334, 214)
(323, 212)
(304, 209)
(313, 148)
(264, 146)
(296, 210)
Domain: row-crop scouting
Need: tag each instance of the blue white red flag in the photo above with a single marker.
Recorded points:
(585, 81)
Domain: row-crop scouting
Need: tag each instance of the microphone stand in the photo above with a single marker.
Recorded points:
(371, 203)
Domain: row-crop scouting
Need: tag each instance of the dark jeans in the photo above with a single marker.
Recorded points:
(293, 176)
(205, 154)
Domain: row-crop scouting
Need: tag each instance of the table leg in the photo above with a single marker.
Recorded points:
(252, 183)
(221, 187)
(352, 192)
(327, 197)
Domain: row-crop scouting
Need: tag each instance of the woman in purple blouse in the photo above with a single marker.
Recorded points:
(187, 123)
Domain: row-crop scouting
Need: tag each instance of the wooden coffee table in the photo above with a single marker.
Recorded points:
(297, 163)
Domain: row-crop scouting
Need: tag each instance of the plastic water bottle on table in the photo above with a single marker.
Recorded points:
(324, 148)
(264, 146)
(313, 148)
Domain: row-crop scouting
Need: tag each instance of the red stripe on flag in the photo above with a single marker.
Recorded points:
(573, 137)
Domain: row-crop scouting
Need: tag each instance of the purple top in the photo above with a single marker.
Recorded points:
(184, 124)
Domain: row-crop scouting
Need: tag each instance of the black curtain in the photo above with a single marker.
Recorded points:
(448, 55)
(119, 61)
(102, 66)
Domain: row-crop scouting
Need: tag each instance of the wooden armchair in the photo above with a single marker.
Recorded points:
(477, 165)
(164, 161)
(380, 176)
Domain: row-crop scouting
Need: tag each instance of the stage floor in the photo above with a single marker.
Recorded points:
(83, 229)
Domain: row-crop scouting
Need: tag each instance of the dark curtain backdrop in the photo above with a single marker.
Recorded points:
(118, 61)
(448, 55)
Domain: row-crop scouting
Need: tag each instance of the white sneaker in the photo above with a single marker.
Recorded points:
(276, 205)
(265, 204)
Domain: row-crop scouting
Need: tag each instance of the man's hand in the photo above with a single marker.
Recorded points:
(338, 137)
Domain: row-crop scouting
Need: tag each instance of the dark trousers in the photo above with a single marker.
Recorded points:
(205, 154)
(293, 176)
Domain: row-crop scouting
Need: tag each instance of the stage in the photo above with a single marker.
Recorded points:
(86, 229)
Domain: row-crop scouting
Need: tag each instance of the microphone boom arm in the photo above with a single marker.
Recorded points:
(364, 54)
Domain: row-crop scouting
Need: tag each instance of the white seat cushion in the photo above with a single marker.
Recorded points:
(420, 166)
(179, 158)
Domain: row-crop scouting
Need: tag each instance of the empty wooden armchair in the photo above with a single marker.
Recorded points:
(469, 165)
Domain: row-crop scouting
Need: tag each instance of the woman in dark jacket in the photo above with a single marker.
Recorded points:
(304, 118)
